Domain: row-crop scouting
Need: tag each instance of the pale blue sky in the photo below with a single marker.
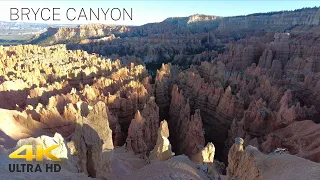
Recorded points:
(156, 11)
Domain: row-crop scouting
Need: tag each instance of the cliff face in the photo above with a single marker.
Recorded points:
(273, 21)
(186, 129)
(186, 40)
(252, 104)
(277, 21)
(299, 138)
(65, 34)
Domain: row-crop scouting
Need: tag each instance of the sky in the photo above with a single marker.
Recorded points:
(147, 11)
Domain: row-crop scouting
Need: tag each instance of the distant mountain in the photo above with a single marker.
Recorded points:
(22, 32)
(22, 25)
(27, 25)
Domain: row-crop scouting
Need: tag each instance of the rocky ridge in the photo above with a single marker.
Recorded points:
(260, 84)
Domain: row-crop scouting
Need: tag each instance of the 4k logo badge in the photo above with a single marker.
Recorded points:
(29, 156)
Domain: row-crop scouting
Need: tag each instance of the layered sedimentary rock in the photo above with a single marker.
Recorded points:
(176, 37)
(34, 122)
(255, 94)
(260, 123)
(194, 137)
(229, 107)
(132, 98)
(217, 108)
(151, 112)
(117, 134)
(255, 77)
(288, 114)
(61, 35)
(163, 80)
(250, 163)
(186, 129)
(142, 132)
(69, 77)
(135, 140)
(300, 138)
(177, 103)
(277, 21)
(242, 53)
(91, 143)
(236, 158)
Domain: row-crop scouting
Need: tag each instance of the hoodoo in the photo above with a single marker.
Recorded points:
(200, 97)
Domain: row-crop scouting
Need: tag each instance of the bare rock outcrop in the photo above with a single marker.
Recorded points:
(194, 137)
(255, 77)
(229, 107)
(151, 113)
(300, 138)
(250, 163)
(237, 157)
(15, 125)
(206, 155)
(162, 89)
(288, 114)
(117, 134)
(188, 134)
(66, 78)
(91, 144)
(259, 124)
(13, 93)
(60, 35)
(135, 140)
(162, 150)
(142, 133)
(178, 167)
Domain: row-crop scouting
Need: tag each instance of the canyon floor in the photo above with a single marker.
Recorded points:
(198, 97)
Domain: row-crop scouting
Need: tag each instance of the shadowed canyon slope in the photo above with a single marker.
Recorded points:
(199, 97)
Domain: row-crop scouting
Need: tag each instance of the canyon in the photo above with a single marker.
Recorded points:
(199, 97)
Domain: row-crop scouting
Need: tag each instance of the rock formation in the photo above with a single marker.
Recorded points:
(299, 138)
(163, 79)
(91, 144)
(213, 78)
(135, 140)
(194, 137)
(250, 163)
(187, 131)
(162, 150)
(206, 155)
(142, 134)
(178, 167)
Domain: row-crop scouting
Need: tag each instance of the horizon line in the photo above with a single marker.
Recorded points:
(78, 24)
